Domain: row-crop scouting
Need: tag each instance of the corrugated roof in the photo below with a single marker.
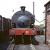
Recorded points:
(47, 3)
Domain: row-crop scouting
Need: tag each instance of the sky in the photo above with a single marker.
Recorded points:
(9, 7)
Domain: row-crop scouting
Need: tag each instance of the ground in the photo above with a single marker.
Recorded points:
(39, 38)
(28, 47)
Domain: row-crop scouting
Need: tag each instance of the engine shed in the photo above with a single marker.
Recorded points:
(47, 22)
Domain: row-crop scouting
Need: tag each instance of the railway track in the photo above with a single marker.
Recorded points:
(21, 47)
(11, 47)
(27, 47)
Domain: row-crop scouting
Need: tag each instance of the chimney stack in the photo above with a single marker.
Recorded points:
(23, 8)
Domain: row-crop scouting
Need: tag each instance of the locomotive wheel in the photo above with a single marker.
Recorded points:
(23, 40)
(27, 39)
(18, 40)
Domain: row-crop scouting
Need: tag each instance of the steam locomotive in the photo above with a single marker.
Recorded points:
(22, 27)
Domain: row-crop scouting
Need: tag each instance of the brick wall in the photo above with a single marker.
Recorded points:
(48, 28)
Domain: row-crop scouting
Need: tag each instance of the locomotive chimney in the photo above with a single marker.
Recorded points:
(23, 8)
